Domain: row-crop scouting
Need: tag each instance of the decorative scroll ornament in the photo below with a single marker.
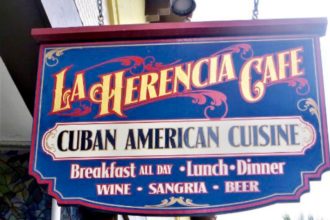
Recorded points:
(180, 200)
(302, 86)
(307, 135)
(139, 65)
(310, 105)
(50, 147)
(244, 50)
(200, 97)
(52, 56)
(83, 108)
(135, 64)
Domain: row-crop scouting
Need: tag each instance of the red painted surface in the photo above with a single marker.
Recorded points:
(307, 26)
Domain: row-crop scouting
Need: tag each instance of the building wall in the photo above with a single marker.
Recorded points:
(15, 119)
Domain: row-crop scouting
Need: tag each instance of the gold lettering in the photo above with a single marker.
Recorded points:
(227, 70)
(251, 93)
(295, 61)
(269, 74)
(148, 84)
(282, 64)
(58, 97)
(102, 94)
(196, 73)
(213, 69)
(78, 87)
(164, 82)
(182, 76)
(130, 89)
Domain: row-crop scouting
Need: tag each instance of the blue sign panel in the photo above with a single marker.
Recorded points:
(180, 127)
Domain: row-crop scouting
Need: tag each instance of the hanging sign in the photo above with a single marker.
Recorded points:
(180, 126)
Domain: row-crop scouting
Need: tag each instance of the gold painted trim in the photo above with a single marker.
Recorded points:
(309, 104)
(177, 200)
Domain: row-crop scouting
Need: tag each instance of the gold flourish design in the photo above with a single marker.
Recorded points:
(48, 146)
(307, 134)
(176, 200)
(310, 105)
(53, 55)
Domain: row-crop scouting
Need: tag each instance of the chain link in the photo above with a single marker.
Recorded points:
(100, 9)
(255, 10)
